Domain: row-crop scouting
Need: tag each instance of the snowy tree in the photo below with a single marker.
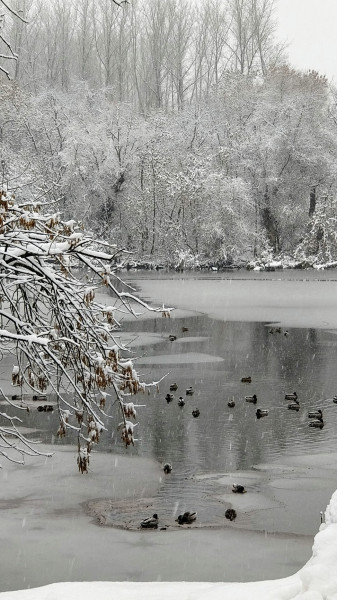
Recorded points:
(62, 341)
(7, 53)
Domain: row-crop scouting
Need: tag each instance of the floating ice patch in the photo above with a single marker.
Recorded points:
(188, 358)
(141, 338)
(297, 483)
(249, 501)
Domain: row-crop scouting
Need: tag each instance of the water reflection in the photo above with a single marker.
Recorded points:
(224, 439)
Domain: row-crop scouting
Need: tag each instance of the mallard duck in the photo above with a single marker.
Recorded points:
(189, 391)
(173, 387)
(150, 522)
(196, 412)
(246, 379)
(167, 468)
(294, 406)
(291, 397)
(230, 514)
(315, 414)
(231, 403)
(252, 399)
(172, 338)
(318, 423)
(187, 518)
(181, 401)
(262, 412)
(238, 489)
(334, 399)
(169, 397)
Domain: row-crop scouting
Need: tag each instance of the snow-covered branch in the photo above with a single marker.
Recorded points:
(63, 340)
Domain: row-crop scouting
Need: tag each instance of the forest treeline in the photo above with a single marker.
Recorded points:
(174, 129)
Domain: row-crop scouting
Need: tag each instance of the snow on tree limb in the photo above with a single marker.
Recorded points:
(63, 340)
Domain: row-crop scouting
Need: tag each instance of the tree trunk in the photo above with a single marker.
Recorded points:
(312, 205)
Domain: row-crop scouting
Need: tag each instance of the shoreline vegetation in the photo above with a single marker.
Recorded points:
(194, 264)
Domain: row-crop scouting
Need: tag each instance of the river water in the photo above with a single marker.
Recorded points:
(226, 445)
(225, 330)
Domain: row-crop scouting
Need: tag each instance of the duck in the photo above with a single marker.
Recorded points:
(334, 399)
(292, 396)
(238, 489)
(167, 468)
(169, 398)
(172, 338)
(246, 379)
(230, 514)
(262, 412)
(316, 414)
(150, 522)
(184, 329)
(173, 387)
(318, 423)
(294, 406)
(196, 412)
(252, 399)
(181, 401)
(231, 403)
(187, 518)
(45, 408)
(189, 391)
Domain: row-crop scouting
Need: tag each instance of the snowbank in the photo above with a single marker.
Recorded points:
(316, 581)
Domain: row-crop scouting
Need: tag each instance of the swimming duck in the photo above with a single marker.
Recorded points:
(315, 414)
(246, 379)
(318, 423)
(45, 408)
(172, 338)
(173, 387)
(231, 403)
(294, 406)
(167, 468)
(291, 397)
(150, 522)
(196, 412)
(181, 401)
(230, 514)
(169, 398)
(262, 412)
(189, 391)
(334, 399)
(187, 518)
(252, 399)
(238, 489)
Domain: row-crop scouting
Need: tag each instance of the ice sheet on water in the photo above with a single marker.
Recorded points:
(180, 358)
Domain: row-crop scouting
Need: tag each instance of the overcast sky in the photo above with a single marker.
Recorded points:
(310, 28)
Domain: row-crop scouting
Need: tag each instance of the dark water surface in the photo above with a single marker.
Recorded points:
(213, 356)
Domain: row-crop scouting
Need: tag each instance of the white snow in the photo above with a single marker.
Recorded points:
(317, 580)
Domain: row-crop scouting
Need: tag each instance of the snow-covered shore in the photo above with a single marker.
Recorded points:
(317, 580)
